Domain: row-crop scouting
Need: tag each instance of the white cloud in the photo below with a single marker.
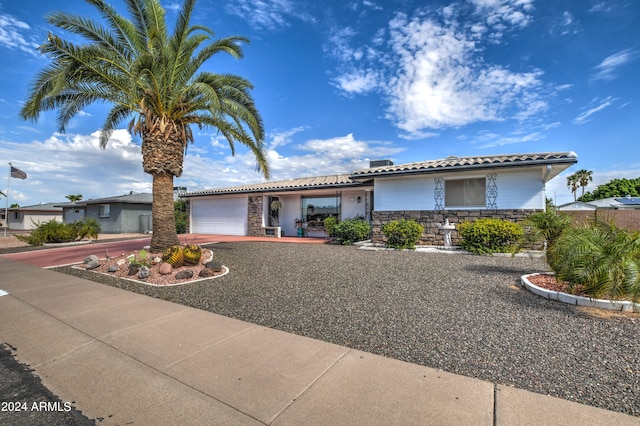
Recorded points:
(602, 104)
(268, 14)
(500, 141)
(435, 76)
(75, 164)
(14, 35)
(511, 12)
(357, 81)
(444, 82)
(607, 68)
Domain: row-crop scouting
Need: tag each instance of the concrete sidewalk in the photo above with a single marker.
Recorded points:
(131, 359)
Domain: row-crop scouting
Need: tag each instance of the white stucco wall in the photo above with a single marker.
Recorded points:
(520, 189)
(353, 204)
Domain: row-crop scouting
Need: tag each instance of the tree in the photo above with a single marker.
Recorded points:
(572, 183)
(143, 72)
(614, 188)
(74, 198)
(584, 177)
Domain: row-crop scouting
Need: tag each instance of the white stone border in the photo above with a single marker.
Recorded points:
(612, 305)
(226, 271)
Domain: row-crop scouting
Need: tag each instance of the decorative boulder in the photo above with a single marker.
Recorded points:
(113, 268)
(144, 272)
(207, 256)
(133, 269)
(165, 268)
(91, 262)
(184, 275)
(214, 266)
(206, 273)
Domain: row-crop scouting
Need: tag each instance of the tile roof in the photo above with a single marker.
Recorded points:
(314, 182)
(453, 163)
(52, 207)
(350, 180)
(136, 198)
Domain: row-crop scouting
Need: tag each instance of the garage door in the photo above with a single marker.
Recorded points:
(227, 216)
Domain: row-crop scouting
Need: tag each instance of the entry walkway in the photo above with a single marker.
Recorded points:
(132, 359)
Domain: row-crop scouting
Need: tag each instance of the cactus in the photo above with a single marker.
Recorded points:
(192, 254)
(174, 256)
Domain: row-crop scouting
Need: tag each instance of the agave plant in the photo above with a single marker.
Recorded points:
(600, 256)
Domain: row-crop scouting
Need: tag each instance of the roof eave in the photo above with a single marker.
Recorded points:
(272, 190)
(525, 163)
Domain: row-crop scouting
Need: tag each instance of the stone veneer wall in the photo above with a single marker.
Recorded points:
(430, 219)
(254, 227)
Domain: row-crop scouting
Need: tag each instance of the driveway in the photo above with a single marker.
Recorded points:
(67, 255)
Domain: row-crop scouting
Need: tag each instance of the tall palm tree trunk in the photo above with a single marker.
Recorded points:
(163, 221)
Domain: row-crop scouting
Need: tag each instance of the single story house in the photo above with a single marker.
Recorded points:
(454, 189)
(130, 213)
(28, 217)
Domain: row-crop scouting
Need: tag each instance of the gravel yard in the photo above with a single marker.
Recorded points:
(461, 313)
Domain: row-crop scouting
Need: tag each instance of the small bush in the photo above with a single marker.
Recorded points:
(350, 231)
(403, 233)
(88, 227)
(601, 257)
(330, 224)
(488, 235)
(49, 232)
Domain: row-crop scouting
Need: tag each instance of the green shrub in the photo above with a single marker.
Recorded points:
(601, 258)
(88, 227)
(58, 232)
(402, 233)
(49, 232)
(330, 224)
(543, 227)
(488, 235)
(350, 231)
(181, 216)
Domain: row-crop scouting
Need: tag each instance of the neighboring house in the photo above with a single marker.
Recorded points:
(622, 211)
(27, 218)
(130, 213)
(454, 188)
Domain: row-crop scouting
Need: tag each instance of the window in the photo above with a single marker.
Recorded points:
(317, 209)
(105, 210)
(465, 193)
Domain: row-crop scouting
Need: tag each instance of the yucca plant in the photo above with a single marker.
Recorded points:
(602, 257)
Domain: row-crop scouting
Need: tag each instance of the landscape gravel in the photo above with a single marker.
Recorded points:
(461, 313)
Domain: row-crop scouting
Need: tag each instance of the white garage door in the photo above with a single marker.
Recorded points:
(227, 216)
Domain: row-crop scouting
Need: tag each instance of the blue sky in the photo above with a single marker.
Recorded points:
(341, 82)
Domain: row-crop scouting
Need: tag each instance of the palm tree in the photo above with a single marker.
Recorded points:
(572, 183)
(143, 72)
(584, 177)
(73, 198)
